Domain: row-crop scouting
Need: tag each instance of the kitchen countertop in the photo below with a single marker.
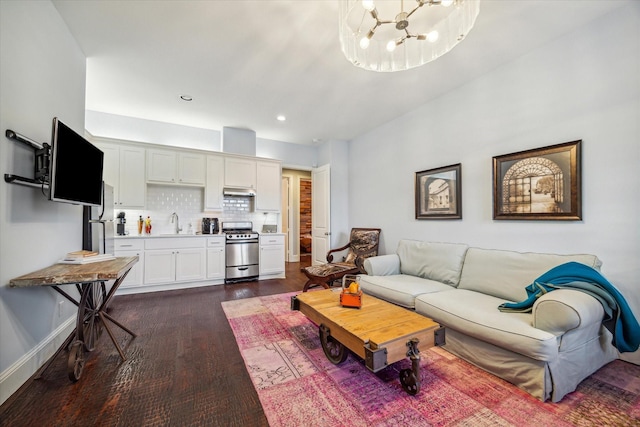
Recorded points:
(160, 235)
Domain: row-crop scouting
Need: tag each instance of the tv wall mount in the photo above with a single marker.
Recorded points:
(41, 163)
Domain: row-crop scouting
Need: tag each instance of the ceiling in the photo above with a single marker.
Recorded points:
(245, 62)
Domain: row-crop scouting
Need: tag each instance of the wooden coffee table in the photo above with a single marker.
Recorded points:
(379, 332)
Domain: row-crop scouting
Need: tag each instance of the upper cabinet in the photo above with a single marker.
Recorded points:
(192, 168)
(239, 173)
(213, 198)
(176, 167)
(264, 176)
(269, 177)
(129, 167)
(124, 170)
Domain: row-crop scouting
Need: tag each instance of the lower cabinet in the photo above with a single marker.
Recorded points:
(191, 264)
(272, 254)
(164, 261)
(215, 257)
(127, 248)
(174, 260)
(159, 266)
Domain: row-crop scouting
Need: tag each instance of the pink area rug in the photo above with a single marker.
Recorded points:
(298, 386)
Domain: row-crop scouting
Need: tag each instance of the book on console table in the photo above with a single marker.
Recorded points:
(80, 254)
(79, 259)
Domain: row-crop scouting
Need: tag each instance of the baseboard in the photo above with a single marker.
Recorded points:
(173, 286)
(293, 258)
(12, 378)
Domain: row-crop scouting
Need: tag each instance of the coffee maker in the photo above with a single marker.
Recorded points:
(120, 224)
(210, 226)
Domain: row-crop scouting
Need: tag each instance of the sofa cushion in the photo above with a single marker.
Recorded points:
(430, 260)
(506, 274)
(399, 289)
(382, 265)
(477, 315)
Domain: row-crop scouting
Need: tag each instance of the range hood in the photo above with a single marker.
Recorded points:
(244, 192)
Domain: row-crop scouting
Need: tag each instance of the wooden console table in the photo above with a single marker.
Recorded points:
(90, 281)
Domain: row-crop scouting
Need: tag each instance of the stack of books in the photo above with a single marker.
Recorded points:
(85, 257)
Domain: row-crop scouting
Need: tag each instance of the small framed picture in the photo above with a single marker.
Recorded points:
(538, 184)
(439, 193)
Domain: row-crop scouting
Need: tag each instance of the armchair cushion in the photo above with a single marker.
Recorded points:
(363, 243)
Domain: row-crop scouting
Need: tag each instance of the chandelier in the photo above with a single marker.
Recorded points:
(395, 35)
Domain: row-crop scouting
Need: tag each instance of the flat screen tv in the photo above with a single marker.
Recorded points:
(75, 174)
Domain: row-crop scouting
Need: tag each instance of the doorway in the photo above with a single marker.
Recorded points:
(298, 226)
(305, 219)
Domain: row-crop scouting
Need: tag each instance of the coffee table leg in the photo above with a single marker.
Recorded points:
(333, 349)
(410, 378)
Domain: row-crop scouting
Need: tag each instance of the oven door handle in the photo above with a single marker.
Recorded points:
(243, 268)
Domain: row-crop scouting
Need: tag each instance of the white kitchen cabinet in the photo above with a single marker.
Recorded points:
(192, 168)
(269, 183)
(159, 266)
(162, 166)
(213, 199)
(239, 173)
(271, 254)
(216, 257)
(191, 264)
(174, 260)
(124, 170)
(128, 248)
(175, 167)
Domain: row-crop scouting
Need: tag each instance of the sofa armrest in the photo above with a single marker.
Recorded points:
(382, 265)
(562, 310)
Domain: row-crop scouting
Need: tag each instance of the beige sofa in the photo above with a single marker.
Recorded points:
(547, 352)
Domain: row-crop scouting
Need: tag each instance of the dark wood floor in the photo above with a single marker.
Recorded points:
(183, 368)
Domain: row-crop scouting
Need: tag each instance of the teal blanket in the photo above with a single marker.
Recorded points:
(618, 319)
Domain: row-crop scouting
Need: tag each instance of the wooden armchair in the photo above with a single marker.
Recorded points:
(363, 243)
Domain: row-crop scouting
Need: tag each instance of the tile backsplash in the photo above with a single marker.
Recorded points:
(188, 204)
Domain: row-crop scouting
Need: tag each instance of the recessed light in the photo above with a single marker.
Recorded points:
(186, 98)
(281, 118)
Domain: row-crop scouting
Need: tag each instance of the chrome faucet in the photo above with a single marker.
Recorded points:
(178, 228)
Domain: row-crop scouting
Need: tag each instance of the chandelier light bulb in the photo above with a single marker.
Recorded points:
(433, 36)
(391, 45)
(369, 5)
(446, 3)
(364, 43)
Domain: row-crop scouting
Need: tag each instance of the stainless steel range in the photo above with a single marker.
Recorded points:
(242, 253)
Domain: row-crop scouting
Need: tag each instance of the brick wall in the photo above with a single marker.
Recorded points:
(305, 214)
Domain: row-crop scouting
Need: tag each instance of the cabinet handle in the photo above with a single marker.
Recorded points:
(125, 246)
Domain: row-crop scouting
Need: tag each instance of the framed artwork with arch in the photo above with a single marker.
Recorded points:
(439, 193)
(539, 184)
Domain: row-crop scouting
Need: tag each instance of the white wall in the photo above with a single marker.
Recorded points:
(586, 86)
(292, 155)
(113, 126)
(142, 130)
(336, 154)
(42, 75)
